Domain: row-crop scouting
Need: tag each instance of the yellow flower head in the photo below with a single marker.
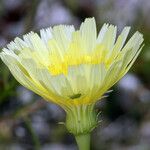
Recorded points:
(72, 67)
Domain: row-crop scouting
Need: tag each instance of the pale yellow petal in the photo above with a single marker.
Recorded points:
(89, 33)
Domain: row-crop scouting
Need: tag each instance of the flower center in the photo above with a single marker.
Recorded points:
(74, 58)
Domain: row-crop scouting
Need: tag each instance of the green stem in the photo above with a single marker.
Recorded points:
(80, 121)
(36, 142)
(83, 141)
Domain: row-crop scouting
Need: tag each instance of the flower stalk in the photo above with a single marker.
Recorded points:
(80, 121)
(83, 141)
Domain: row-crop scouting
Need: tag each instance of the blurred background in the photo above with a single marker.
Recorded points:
(27, 122)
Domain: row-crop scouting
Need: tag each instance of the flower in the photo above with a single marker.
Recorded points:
(71, 67)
